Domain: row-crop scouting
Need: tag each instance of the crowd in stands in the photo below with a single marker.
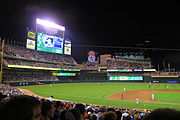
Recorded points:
(28, 57)
(89, 67)
(21, 52)
(113, 63)
(17, 106)
(10, 61)
(45, 59)
(15, 76)
(158, 73)
(15, 55)
(24, 62)
(7, 90)
(129, 74)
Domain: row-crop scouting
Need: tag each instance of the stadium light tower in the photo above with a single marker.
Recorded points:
(50, 24)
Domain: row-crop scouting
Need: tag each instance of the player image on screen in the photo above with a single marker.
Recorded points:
(49, 43)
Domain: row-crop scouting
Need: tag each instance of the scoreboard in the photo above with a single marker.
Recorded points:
(48, 37)
(49, 43)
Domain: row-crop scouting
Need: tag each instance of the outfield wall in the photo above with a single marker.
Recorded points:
(95, 76)
(92, 76)
(147, 79)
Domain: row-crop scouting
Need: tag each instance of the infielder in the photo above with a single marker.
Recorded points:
(137, 100)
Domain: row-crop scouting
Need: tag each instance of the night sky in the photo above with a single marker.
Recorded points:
(105, 23)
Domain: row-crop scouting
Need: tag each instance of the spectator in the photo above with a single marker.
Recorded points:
(21, 52)
(163, 114)
(126, 116)
(62, 116)
(2, 96)
(81, 108)
(109, 116)
(73, 114)
(119, 114)
(111, 109)
(47, 110)
(57, 112)
(94, 117)
(21, 107)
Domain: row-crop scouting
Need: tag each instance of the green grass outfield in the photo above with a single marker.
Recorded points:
(94, 93)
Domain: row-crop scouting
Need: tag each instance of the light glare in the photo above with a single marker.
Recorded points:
(50, 24)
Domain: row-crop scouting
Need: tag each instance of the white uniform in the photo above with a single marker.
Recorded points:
(137, 100)
(124, 89)
(152, 96)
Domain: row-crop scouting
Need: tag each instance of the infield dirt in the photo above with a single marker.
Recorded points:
(143, 95)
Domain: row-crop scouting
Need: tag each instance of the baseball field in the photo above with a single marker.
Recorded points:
(114, 94)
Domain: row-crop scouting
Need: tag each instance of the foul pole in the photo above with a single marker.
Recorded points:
(2, 57)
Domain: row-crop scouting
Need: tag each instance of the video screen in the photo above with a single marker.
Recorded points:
(67, 47)
(64, 74)
(49, 43)
(125, 78)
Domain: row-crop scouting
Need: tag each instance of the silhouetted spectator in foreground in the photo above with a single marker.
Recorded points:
(119, 114)
(163, 114)
(2, 96)
(94, 117)
(73, 114)
(111, 109)
(81, 108)
(21, 107)
(47, 110)
(109, 116)
(57, 112)
(62, 116)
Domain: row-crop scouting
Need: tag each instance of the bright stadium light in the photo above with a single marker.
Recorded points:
(50, 24)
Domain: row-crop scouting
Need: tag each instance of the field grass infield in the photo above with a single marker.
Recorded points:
(97, 93)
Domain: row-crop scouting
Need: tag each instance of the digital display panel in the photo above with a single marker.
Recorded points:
(67, 50)
(172, 81)
(67, 47)
(91, 56)
(49, 43)
(155, 81)
(129, 70)
(125, 78)
(31, 35)
(64, 74)
(30, 44)
(67, 43)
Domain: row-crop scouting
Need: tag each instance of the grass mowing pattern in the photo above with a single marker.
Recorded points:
(95, 93)
(168, 96)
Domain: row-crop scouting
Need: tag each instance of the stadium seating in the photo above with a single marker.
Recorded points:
(16, 55)
(23, 62)
(88, 111)
(67, 110)
(114, 63)
(23, 53)
(28, 76)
